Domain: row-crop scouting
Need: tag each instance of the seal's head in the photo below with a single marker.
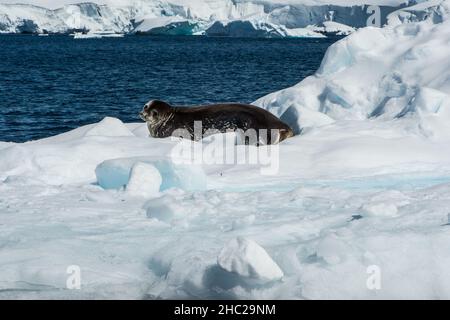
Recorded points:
(155, 111)
(158, 114)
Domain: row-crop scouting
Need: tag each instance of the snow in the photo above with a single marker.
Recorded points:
(365, 186)
(145, 180)
(381, 209)
(93, 35)
(248, 260)
(402, 73)
(334, 27)
(109, 127)
(158, 22)
(257, 27)
(430, 9)
(166, 209)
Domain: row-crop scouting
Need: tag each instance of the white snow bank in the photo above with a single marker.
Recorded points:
(170, 243)
(386, 204)
(116, 173)
(381, 209)
(399, 74)
(72, 157)
(166, 209)
(109, 127)
(249, 260)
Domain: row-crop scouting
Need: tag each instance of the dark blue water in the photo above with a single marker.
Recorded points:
(50, 85)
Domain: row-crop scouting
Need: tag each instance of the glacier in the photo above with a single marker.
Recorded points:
(244, 18)
(364, 186)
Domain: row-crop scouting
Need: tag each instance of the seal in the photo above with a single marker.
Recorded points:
(163, 120)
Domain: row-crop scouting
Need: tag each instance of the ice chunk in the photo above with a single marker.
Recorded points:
(145, 180)
(164, 209)
(248, 259)
(243, 222)
(109, 127)
(381, 209)
(332, 249)
(115, 173)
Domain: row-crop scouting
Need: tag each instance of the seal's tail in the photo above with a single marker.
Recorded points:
(285, 133)
(282, 134)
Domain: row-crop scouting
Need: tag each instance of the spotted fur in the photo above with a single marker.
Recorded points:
(163, 119)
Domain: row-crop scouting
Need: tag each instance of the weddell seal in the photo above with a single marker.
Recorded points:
(258, 125)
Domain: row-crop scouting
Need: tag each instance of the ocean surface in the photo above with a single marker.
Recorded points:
(49, 85)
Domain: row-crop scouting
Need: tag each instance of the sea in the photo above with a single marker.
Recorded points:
(50, 85)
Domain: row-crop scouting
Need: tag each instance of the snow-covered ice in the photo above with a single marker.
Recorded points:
(249, 260)
(117, 173)
(366, 184)
(402, 74)
(145, 180)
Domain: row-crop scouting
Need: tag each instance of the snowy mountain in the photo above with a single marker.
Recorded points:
(276, 18)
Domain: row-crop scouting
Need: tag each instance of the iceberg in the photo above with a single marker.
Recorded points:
(117, 173)
(256, 29)
(248, 259)
(359, 80)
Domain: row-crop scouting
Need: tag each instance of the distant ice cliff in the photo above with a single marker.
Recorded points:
(244, 18)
